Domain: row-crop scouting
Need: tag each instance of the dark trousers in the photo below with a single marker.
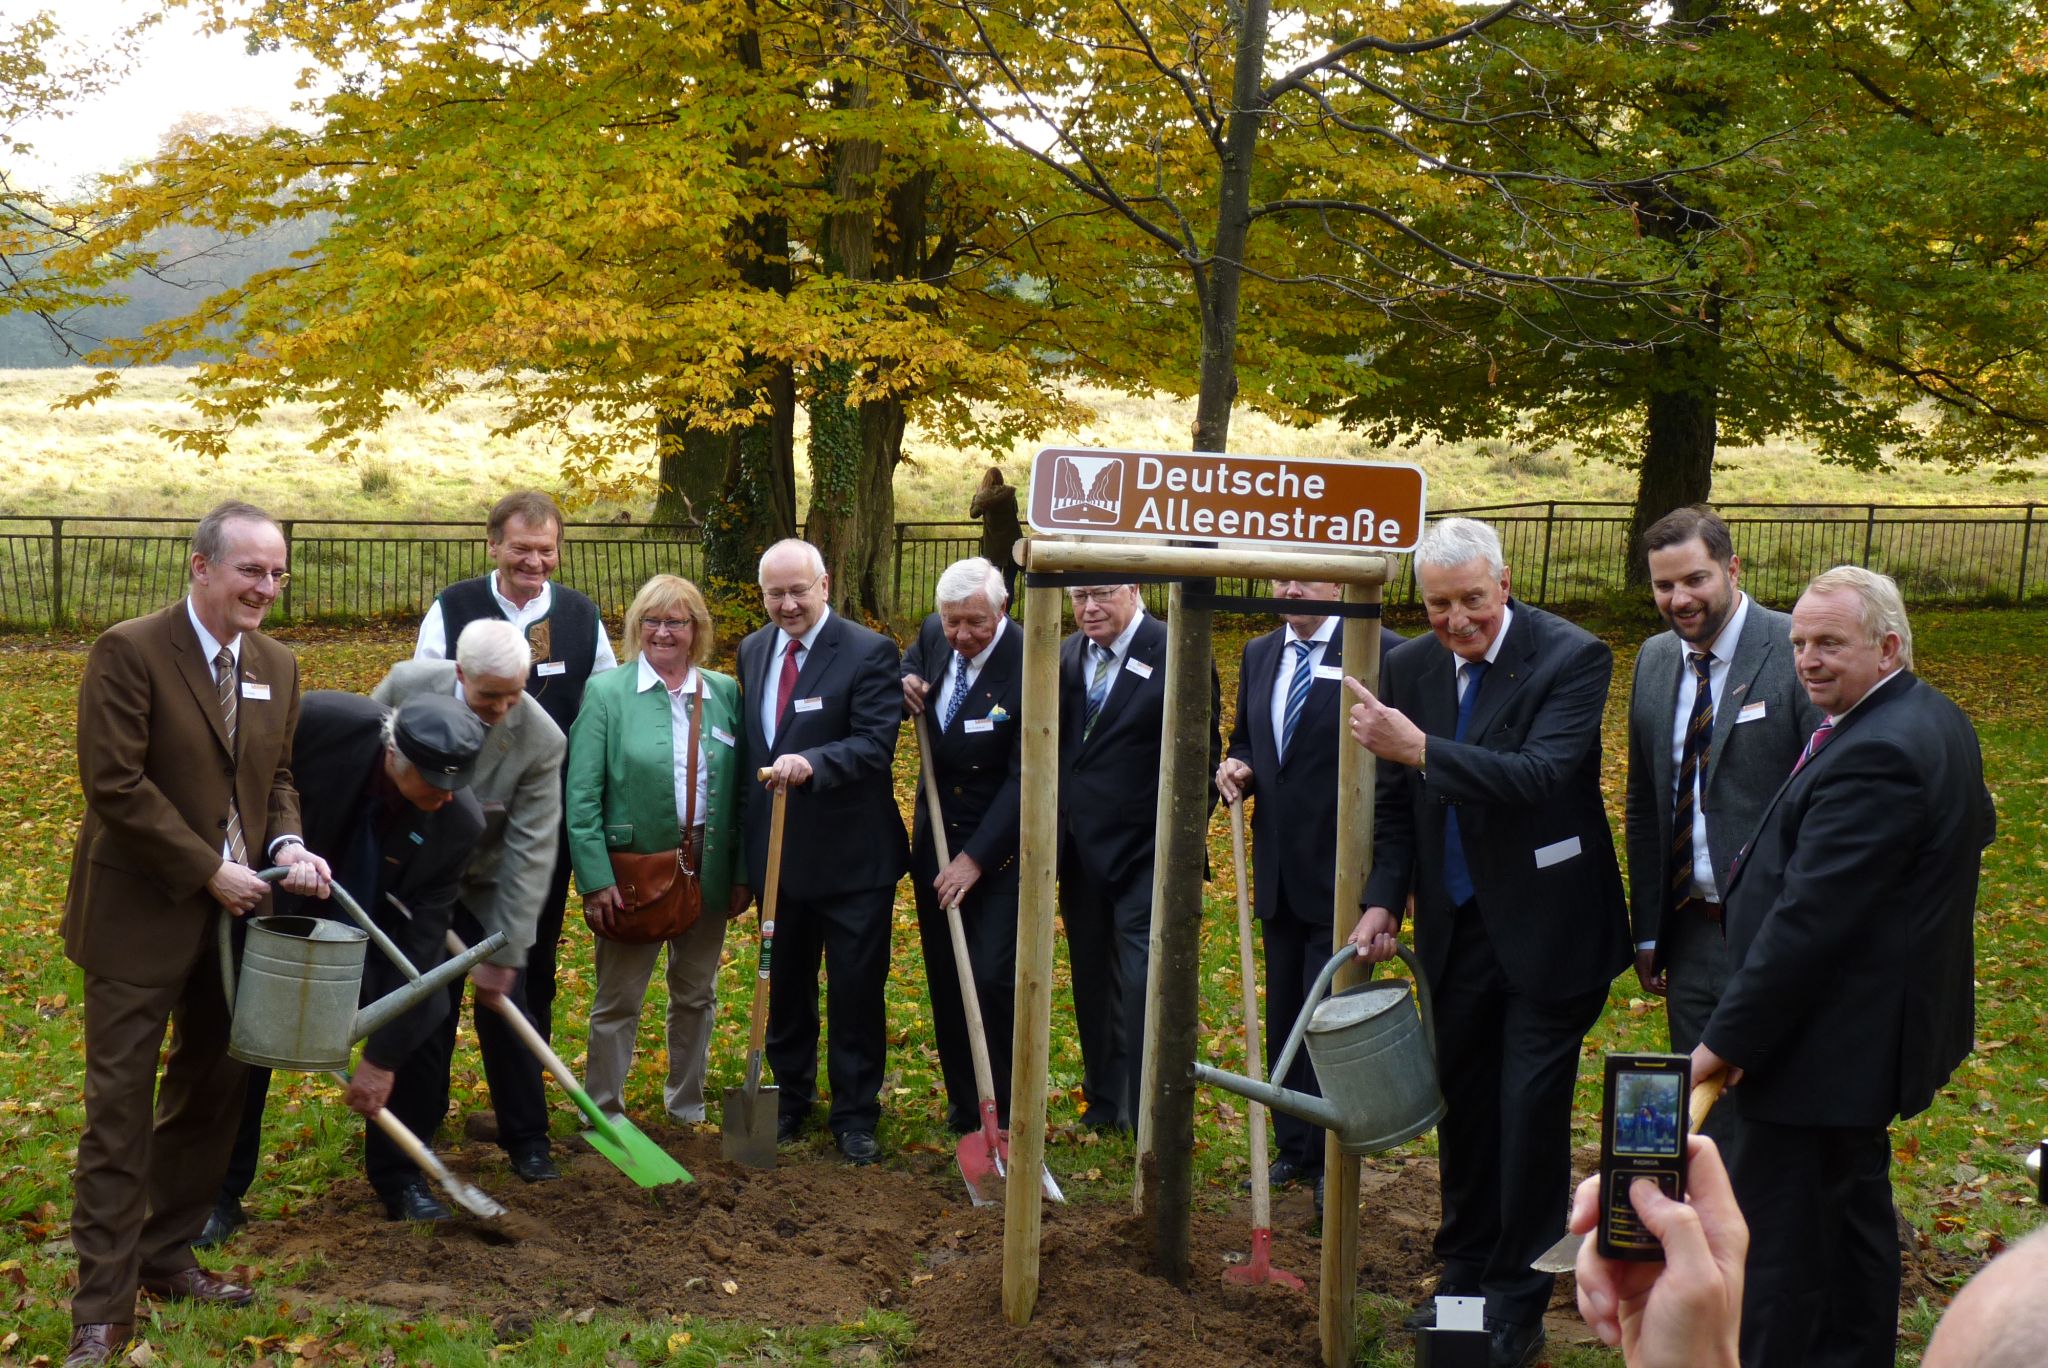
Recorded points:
(988, 917)
(851, 933)
(537, 980)
(419, 1099)
(1296, 952)
(1109, 946)
(518, 1093)
(1507, 1064)
(144, 1185)
(1696, 967)
(1822, 1288)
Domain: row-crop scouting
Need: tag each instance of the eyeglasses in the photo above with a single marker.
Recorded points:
(260, 574)
(1107, 594)
(670, 625)
(792, 595)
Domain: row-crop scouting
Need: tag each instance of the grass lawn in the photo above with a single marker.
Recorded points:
(109, 459)
(1959, 1173)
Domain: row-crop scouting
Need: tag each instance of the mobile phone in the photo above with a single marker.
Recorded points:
(1642, 1135)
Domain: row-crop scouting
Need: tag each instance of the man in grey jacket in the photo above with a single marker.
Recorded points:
(1716, 718)
(518, 781)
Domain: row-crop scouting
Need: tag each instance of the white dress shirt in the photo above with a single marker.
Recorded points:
(943, 690)
(679, 730)
(1720, 659)
(1283, 678)
(433, 643)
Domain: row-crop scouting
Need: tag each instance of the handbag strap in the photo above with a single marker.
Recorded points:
(690, 774)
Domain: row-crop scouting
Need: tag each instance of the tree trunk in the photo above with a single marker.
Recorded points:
(1678, 458)
(692, 465)
(758, 504)
(833, 523)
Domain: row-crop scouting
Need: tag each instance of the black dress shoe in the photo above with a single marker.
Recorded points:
(534, 1166)
(1514, 1346)
(788, 1128)
(859, 1147)
(1281, 1173)
(1423, 1314)
(225, 1219)
(96, 1344)
(414, 1202)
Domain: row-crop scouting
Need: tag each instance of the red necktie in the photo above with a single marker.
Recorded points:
(786, 688)
(1822, 734)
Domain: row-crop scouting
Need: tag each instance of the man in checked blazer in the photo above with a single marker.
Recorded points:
(964, 674)
(1750, 730)
(505, 886)
(1292, 788)
(185, 722)
(1112, 699)
(822, 699)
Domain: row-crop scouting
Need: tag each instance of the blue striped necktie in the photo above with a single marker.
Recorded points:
(1098, 686)
(1297, 693)
(958, 693)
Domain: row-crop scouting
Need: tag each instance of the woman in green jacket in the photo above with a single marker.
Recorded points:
(628, 768)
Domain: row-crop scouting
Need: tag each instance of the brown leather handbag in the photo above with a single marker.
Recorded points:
(661, 892)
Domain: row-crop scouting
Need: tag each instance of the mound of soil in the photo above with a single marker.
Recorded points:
(815, 1241)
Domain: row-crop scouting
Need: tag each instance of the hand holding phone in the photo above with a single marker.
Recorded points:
(1642, 1135)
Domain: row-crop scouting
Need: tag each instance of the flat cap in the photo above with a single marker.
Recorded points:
(441, 737)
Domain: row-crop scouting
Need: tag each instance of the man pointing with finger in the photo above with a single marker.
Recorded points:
(1489, 813)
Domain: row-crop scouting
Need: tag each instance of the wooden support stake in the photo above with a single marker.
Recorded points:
(1355, 778)
(1164, 1182)
(1038, 849)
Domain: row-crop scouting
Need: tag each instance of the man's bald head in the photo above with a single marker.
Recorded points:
(2000, 1318)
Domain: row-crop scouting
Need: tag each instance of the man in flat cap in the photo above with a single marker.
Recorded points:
(385, 797)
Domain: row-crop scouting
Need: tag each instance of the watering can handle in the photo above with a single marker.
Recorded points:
(348, 905)
(1322, 986)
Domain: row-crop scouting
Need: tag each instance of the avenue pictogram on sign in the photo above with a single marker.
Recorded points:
(1254, 500)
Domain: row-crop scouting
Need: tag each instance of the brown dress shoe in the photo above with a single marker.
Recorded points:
(95, 1344)
(196, 1284)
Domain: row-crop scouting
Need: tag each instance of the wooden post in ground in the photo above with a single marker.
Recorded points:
(1164, 1186)
(1355, 777)
(1038, 834)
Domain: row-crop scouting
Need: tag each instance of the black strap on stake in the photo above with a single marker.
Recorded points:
(1199, 596)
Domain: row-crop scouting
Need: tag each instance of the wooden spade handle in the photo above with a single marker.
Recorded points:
(1254, 1054)
(1704, 1095)
(757, 1030)
(963, 968)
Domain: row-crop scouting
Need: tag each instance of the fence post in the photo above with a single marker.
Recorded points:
(2026, 544)
(56, 573)
(1549, 529)
(896, 586)
(286, 596)
(1869, 531)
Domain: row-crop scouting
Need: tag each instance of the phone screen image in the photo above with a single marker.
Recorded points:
(1649, 1115)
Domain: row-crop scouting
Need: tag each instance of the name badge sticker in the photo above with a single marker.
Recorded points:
(1335, 672)
(551, 667)
(1751, 712)
(809, 705)
(1138, 668)
(258, 692)
(980, 724)
(722, 736)
(1557, 853)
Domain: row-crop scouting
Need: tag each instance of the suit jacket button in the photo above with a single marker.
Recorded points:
(227, 771)
(222, 824)
(956, 790)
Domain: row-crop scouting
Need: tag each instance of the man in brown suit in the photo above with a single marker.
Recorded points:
(185, 720)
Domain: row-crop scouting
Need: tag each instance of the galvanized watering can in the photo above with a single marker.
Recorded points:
(295, 1007)
(1374, 1059)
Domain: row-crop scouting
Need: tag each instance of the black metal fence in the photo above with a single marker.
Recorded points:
(89, 572)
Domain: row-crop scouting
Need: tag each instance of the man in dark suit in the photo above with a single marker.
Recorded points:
(185, 721)
(1288, 677)
(1112, 696)
(1716, 717)
(823, 701)
(964, 675)
(1489, 813)
(387, 798)
(1852, 1000)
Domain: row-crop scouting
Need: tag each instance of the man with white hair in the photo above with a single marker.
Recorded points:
(1489, 812)
(1849, 920)
(518, 782)
(822, 704)
(964, 674)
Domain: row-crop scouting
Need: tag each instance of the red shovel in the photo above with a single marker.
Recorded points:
(1259, 1268)
(984, 1155)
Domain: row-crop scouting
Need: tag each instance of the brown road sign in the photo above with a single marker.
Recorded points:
(1245, 500)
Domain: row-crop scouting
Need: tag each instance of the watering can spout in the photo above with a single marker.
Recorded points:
(403, 999)
(1309, 1108)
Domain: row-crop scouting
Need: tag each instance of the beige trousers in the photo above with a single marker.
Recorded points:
(623, 973)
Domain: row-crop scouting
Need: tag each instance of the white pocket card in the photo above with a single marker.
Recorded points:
(1751, 712)
(1138, 668)
(1557, 852)
(551, 667)
(723, 737)
(980, 724)
(252, 690)
(1335, 672)
(809, 705)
